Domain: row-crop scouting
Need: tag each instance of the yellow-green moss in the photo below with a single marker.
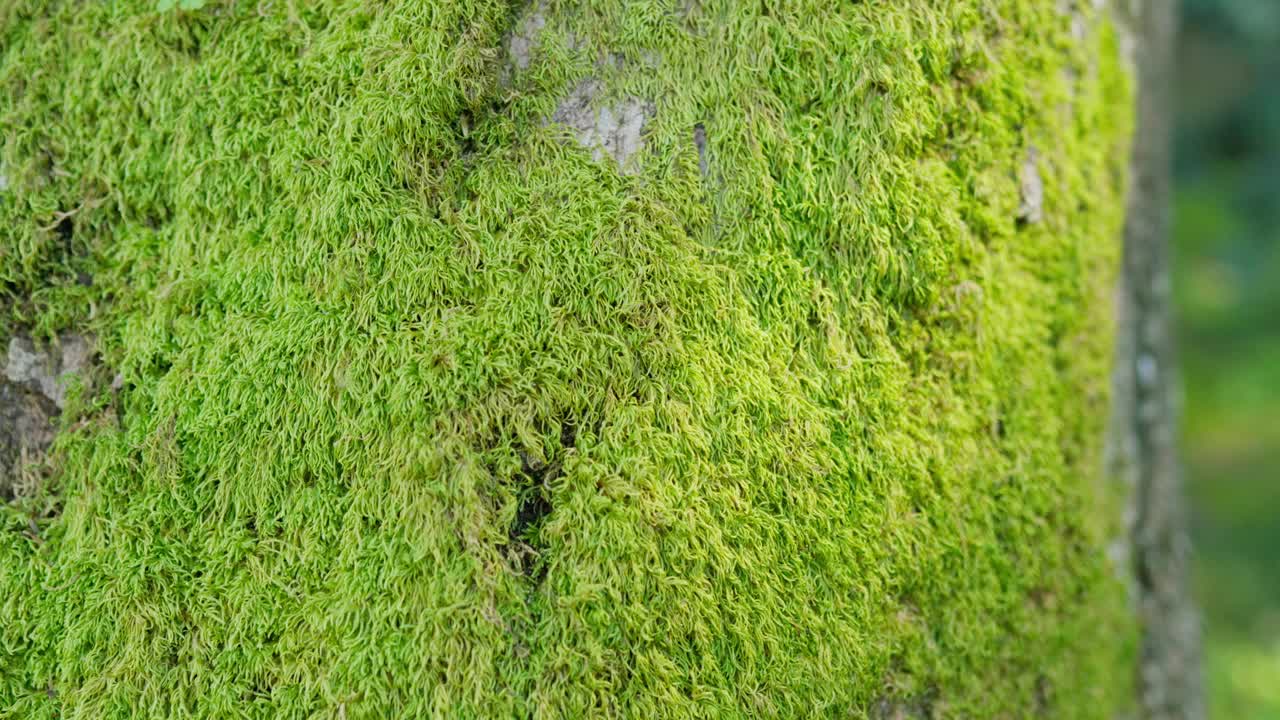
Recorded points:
(425, 412)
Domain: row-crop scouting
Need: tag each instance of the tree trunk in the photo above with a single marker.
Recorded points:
(708, 358)
(1144, 430)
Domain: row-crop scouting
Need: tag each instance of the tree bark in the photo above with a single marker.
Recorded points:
(1145, 429)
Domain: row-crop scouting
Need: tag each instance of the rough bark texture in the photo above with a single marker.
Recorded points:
(1143, 442)
(34, 384)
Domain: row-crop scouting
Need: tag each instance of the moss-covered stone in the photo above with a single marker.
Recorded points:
(703, 359)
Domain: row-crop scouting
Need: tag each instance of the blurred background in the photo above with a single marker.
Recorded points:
(1227, 287)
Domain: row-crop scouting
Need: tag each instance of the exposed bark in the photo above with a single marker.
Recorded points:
(33, 391)
(1143, 442)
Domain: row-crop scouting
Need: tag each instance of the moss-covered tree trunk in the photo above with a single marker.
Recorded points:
(706, 358)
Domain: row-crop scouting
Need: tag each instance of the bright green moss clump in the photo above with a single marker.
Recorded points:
(423, 411)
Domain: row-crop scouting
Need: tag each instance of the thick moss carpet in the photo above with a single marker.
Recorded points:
(714, 358)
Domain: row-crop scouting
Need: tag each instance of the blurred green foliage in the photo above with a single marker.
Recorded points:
(1227, 281)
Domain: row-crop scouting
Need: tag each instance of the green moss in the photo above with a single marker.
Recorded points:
(426, 412)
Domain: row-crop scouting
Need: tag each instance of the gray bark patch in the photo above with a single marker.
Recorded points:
(525, 37)
(902, 709)
(615, 129)
(26, 431)
(1031, 209)
(48, 371)
(33, 392)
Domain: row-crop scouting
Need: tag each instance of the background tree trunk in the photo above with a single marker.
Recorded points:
(1145, 430)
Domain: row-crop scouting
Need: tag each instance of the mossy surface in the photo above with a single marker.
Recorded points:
(424, 411)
